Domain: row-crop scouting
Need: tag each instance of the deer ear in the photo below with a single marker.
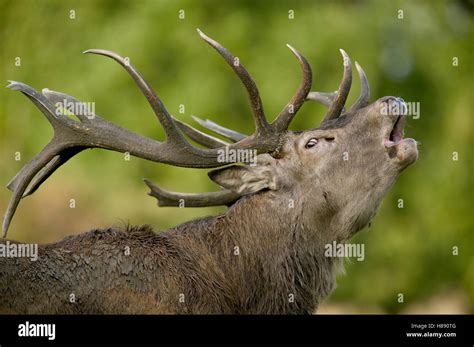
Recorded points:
(245, 179)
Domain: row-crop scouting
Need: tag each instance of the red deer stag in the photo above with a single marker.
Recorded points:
(265, 254)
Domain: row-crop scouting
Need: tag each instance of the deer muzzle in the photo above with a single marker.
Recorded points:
(404, 149)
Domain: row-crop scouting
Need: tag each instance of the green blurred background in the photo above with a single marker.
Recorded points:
(409, 250)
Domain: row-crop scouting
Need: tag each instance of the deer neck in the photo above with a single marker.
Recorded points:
(275, 252)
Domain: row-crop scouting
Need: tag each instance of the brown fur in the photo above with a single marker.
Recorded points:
(195, 259)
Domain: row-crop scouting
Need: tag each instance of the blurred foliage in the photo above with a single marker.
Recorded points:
(408, 250)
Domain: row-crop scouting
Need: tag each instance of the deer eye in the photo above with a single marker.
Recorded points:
(311, 143)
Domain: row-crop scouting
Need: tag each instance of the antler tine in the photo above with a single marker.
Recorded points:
(261, 124)
(24, 178)
(80, 112)
(41, 101)
(168, 198)
(200, 137)
(45, 172)
(363, 99)
(156, 104)
(285, 117)
(232, 135)
(325, 99)
(343, 90)
(55, 98)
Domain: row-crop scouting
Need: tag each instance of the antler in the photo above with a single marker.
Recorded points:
(285, 117)
(343, 91)
(200, 137)
(91, 131)
(261, 124)
(363, 99)
(219, 129)
(323, 98)
(336, 100)
(175, 199)
(226, 197)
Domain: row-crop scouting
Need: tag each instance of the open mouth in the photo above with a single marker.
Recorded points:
(396, 106)
(396, 135)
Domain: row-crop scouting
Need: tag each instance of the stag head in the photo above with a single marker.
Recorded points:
(341, 170)
(335, 174)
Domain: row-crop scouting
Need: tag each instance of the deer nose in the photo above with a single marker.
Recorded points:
(393, 106)
(388, 99)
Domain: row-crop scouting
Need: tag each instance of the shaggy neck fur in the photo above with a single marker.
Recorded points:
(255, 258)
(269, 259)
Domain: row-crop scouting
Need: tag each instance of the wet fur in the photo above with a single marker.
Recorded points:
(195, 259)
